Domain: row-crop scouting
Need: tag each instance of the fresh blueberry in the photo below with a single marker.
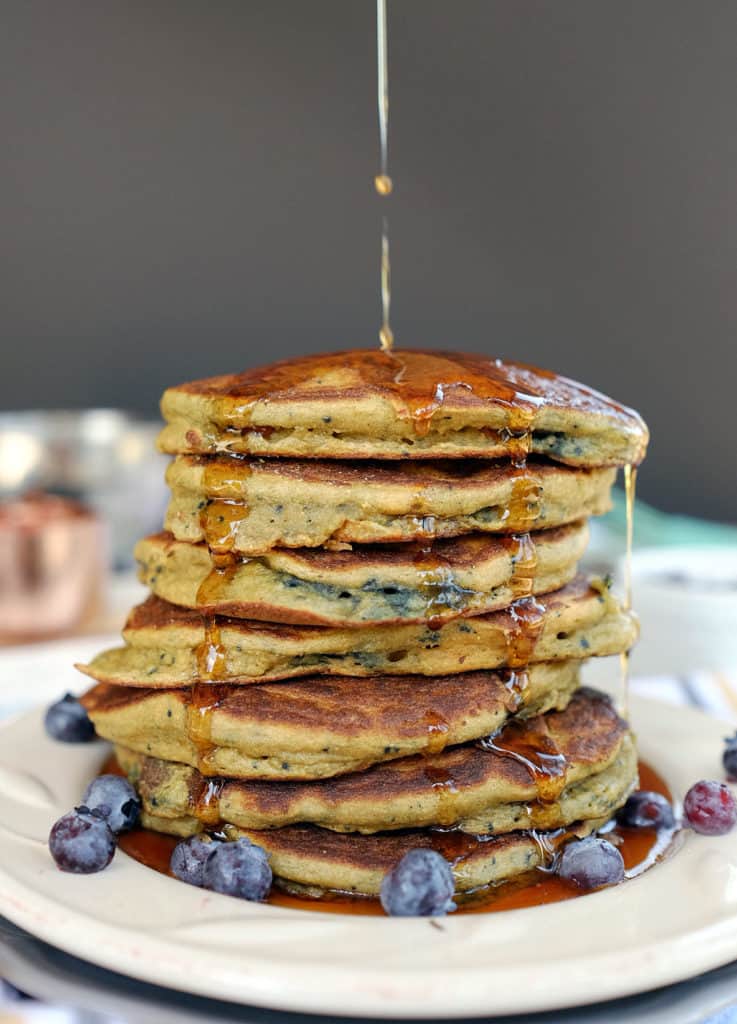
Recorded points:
(646, 810)
(729, 757)
(421, 885)
(188, 859)
(68, 721)
(710, 808)
(591, 863)
(238, 869)
(82, 842)
(117, 801)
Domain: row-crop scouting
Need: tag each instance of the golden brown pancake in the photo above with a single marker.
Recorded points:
(311, 861)
(401, 405)
(168, 646)
(250, 506)
(316, 728)
(370, 584)
(531, 775)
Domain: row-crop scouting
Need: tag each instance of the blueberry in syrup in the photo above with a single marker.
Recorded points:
(421, 885)
(729, 757)
(240, 869)
(710, 808)
(117, 801)
(591, 863)
(82, 842)
(67, 720)
(188, 859)
(645, 809)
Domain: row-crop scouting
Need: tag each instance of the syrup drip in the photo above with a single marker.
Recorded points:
(525, 502)
(207, 805)
(437, 732)
(204, 700)
(211, 654)
(523, 552)
(641, 849)
(517, 434)
(539, 754)
(528, 617)
(446, 790)
(215, 585)
(222, 516)
(436, 584)
(630, 483)
(548, 844)
(382, 182)
(515, 684)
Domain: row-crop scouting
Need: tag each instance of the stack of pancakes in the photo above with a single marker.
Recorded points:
(366, 626)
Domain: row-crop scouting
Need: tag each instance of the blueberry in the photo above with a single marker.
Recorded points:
(421, 885)
(117, 801)
(729, 757)
(238, 869)
(188, 859)
(68, 721)
(710, 808)
(82, 842)
(646, 810)
(591, 863)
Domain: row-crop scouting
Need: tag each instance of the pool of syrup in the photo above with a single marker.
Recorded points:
(640, 849)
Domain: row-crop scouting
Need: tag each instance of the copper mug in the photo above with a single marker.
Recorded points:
(53, 560)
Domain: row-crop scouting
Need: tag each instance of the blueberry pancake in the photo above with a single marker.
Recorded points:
(370, 584)
(542, 772)
(250, 506)
(310, 861)
(365, 404)
(317, 727)
(165, 645)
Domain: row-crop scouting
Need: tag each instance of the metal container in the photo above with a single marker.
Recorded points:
(104, 458)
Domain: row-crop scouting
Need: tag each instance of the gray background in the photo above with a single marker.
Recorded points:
(185, 189)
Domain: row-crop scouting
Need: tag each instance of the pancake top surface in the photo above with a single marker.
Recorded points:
(381, 389)
(419, 381)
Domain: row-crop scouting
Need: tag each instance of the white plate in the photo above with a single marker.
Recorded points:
(672, 923)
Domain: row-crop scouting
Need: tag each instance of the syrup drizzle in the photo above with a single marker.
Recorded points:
(222, 516)
(383, 182)
(445, 788)
(204, 700)
(528, 618)
(536, 749)
(438, 728)
(523, 553)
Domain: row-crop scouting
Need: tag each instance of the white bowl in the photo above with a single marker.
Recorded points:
(686, 598)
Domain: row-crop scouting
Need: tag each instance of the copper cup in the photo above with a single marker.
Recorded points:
(53, 559)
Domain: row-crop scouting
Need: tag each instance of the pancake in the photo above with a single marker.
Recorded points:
(250, 506)
(370, 584)
(545, 772)
(401, 405)
(166, 645)
(316, 728)
(311, 861)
